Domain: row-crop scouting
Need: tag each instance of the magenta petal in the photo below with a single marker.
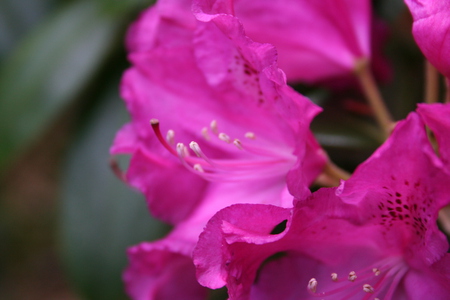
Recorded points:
(315, 40)
(437, 117)
(211, 258)
(431, 30)
(157, 272)
(171, 190)
(392, 189)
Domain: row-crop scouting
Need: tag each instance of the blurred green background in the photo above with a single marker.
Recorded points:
(65, 219)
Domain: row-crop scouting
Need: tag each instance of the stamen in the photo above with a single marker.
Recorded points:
(368, 288)
(182, 151)
(238, 144)
(170, 137)
(312, 285)
(250, 135)
(205, 134)
(377, 283)
(157, 131)
(196, 148)
(224, 137)
(198, 167)
(352, 276)
(213, 126)
(267, 163)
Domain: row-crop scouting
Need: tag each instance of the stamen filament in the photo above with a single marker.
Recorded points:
(156, 129)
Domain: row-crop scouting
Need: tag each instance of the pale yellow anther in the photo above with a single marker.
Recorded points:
(154, 121)
(224, 137)
(205, 134)
(198, 167)
(182, 150)
(213, 126)
(368, 288)
(196, 148)
(170, 137)
(334, 276)
(238, 144)
(376, 271)
(312, 285)
(352, 276)
(250, 135)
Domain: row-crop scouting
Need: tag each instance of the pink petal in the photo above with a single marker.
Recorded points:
(431, 30)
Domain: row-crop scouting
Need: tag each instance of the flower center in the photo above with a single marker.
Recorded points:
(378, 281)
(263, 163)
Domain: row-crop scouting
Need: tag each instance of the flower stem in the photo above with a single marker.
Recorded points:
(447, 93)
(332, 175)
(373, 95)
(444, 219)
(334, 171)
(431, 83)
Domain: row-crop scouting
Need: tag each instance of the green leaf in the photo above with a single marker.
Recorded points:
(100, 215)
(50, 68)
(339, 129)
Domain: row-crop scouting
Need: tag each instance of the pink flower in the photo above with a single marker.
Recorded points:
(373, 237)
(316, 40)
(225, 93)
(229, 130)
(431, 31)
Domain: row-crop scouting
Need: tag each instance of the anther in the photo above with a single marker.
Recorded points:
(238, 144)
(352, 276)
(334, 276)
(170, 137)
(250, 135)
(198, 167)
(312, 285)
(214, 126)
(224, 137)
(368, 288)
(196, 148)
(182, 150)
(376, 271)
(205, 134)
(154, 121)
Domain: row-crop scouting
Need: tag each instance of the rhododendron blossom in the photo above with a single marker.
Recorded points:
(213, 124)
(316, 40)
(226, 114)
(373, 237)
(430, 29)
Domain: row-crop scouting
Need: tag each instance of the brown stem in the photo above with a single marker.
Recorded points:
(373, 95)
(431, 83)
(444, 219)
(447, 93)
